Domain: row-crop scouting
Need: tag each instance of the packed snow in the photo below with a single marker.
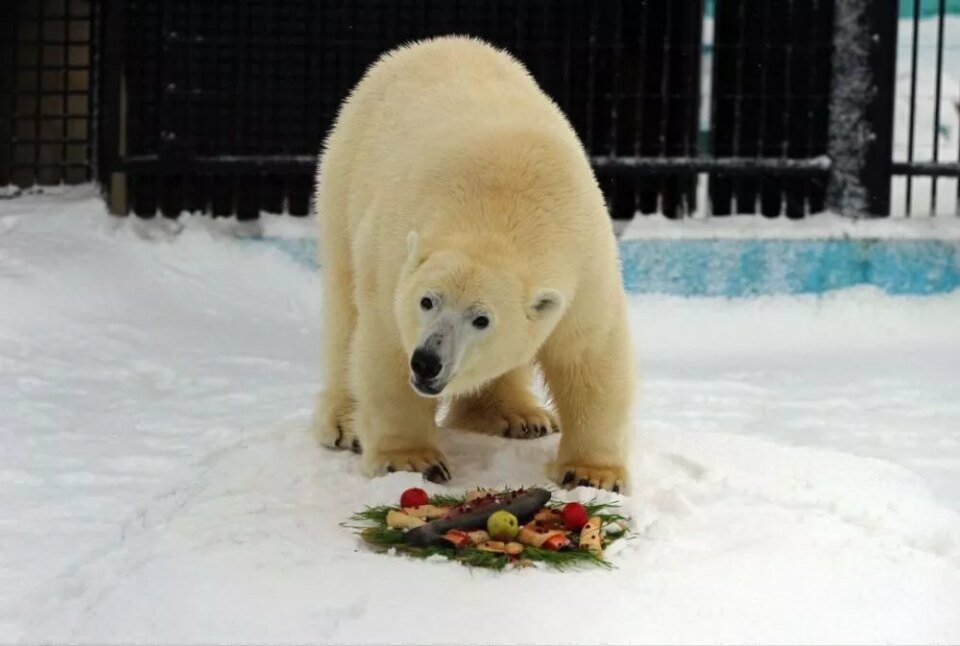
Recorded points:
(797, 462)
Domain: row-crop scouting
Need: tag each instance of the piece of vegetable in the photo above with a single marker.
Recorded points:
(399, 520)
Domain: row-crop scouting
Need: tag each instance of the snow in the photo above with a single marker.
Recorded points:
(797, 462)
(819, 226)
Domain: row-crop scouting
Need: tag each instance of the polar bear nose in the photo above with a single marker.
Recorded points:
(425, 364)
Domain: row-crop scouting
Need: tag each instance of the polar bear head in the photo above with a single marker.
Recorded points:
(467, 314)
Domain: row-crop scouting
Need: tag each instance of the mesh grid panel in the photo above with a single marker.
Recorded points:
(45, 91)
(232, 81)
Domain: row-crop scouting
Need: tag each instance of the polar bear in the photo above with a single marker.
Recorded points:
(464, 239)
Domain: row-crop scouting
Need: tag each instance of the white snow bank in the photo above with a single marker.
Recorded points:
(820, 226)
(796, 465)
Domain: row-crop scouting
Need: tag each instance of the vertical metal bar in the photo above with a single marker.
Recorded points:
(8, 89)
(65, 91)
(861, 107)
(666, 199)
(942, 10)
(641, 79)
(789, 188)
(788, 55)
(641, 97)
(38, 108)
(665, 78)
(93, 101)
(547, 22)
(518, 23)
(190, 184)
(110, 118)
(913, 100)
(591, 74)
(693, 43)
(615, 68)
(770, 189)
(738, 101)
(741, 54)
(765, 49)
(814, 40)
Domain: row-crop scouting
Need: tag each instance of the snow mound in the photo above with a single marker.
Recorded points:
(795, 465)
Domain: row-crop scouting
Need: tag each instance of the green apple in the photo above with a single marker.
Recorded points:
(502, 526)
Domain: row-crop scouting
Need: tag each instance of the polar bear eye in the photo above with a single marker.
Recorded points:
(481, 322)
(426, 304)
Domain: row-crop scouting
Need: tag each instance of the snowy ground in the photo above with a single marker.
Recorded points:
(797, 464)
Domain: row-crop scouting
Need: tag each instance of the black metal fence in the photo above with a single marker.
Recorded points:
(776, 108)
(930, 116)
(46, 75)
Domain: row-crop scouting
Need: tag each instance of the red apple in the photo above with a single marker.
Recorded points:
(414, 497)
(575, 515)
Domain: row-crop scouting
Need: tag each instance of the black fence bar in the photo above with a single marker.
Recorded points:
(861, 106)
(8, 70)
(604, 164)
(732, 166)
(927, 169)
(941, 15)
(111, 122)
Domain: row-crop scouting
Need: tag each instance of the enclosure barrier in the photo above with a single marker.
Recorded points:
(46, 102)
(775, 108)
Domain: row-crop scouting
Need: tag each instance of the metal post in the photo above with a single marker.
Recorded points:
(112, 112)
(8, 77)
(861, 106)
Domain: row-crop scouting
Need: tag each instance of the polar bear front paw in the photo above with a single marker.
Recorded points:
(611, 478)
(426, 460)
(333, 423)
(518, 422)
(336, 436)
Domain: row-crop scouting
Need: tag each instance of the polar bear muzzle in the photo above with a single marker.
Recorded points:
(425, 364)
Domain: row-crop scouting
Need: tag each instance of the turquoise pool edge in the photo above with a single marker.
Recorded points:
(744, 268)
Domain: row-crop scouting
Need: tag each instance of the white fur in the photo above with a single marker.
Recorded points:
(448, 170)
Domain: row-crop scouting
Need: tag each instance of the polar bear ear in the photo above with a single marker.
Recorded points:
(414, 252)
(413, 243)
(544, 303)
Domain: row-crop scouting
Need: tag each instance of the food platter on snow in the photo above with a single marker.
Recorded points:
(494, 529)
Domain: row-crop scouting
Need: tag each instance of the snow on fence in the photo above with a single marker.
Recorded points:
(737, 106)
